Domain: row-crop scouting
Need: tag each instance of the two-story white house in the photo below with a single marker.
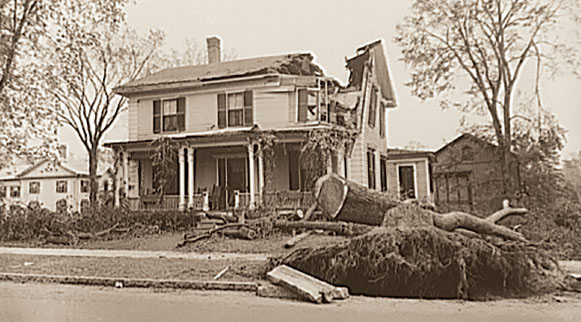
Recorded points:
(219, 115)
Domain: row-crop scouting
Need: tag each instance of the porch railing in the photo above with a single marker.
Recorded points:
(170, 202)
(288, 199)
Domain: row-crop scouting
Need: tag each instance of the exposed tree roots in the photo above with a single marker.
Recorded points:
(427, 262)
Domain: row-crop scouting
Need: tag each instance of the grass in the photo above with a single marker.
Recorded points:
(154, 268)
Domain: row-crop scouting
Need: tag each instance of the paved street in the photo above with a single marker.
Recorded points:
(51, 302)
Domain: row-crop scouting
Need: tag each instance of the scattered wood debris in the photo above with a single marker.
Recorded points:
(306, 286)
(222, 272)
(293, 241)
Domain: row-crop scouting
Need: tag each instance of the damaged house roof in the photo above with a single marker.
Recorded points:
(372, 55)
(290, 64)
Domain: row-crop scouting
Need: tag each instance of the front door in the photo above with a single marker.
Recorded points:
(407, 180)
(232, 175)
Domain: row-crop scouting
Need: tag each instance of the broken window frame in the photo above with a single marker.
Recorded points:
(321, 106)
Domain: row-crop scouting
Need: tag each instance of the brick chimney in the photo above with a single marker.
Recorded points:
(214, 52)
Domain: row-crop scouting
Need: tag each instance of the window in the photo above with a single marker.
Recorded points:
(2, 192)
(372, 107)
(61, 186)
(308, 100)
(169, 115)
(345, 167)
(382, 120)
(15, 191)
(84, 186)
(34, 187)
(467, 153)
(371, 168)
(407, 181)
(383, 173)
(235, 109)
(105, 185)
(61, 206)
(294, 156)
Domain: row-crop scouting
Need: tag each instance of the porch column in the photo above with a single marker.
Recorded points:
(341, 163)
(251, 175)
(260, 176)
(181, 176)
(191, 151)
(126, 173)
(117, 184)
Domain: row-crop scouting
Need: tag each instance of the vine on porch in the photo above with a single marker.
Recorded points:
(163, 160)
(321, 145)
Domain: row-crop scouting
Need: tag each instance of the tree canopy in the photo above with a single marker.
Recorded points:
(475, 51)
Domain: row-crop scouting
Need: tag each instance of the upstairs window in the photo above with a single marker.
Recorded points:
(2, 192)
(381, 120)
(169, 115)
(235, 109)
(15, 191)
(34, 187)
(307, 105)
(61, 186)
(372, 107)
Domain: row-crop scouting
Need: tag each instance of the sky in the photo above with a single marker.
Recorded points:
(331, 30)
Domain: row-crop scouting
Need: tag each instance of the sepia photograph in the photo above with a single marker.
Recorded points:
(272, 160)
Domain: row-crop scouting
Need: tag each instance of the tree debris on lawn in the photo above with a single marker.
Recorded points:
(307, 287)
(222, 272)
(407, 251)
(293, 241)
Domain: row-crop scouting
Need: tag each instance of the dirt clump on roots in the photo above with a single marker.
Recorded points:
(426, 262)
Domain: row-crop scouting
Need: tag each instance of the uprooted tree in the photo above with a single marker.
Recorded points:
(414, 252)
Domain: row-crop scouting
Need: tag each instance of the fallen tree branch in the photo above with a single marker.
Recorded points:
(208, 234)
(341, 228)
(293, 241)
(505, 212)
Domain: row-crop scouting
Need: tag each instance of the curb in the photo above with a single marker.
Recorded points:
(131, 282)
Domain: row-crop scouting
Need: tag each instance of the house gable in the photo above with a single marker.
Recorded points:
(46, 169)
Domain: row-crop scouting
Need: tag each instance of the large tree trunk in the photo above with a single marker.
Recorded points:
(348, 201)
(94, 185)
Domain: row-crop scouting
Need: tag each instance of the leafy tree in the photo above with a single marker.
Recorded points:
(25, 109)
(93, 52)
(480, 48)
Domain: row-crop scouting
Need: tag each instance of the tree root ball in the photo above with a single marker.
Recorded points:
(426, 262)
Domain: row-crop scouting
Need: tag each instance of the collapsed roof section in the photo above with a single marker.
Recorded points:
(372, 57)
(300, 64)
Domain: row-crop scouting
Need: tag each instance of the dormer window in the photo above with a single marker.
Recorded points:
(169, 115)
(235, 109)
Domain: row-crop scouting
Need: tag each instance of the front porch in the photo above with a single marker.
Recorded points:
(218, 175)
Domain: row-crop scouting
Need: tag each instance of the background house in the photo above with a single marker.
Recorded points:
(409, 174)
(468, 175)
(222, 116)
(53, 186)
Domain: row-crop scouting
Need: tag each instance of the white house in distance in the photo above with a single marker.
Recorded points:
(52, 186)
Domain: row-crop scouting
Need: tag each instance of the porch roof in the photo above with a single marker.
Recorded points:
(403, 154)
(238, 134)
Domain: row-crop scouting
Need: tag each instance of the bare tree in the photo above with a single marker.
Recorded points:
(481, 47)
(94, 52)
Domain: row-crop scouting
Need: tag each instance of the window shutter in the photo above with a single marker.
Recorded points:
(181, 114)
(248, 103)
(221, 110)
(303, 102)
(156, 116)
(382, 120)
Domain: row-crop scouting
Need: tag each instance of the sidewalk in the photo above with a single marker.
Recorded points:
(130, 254)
